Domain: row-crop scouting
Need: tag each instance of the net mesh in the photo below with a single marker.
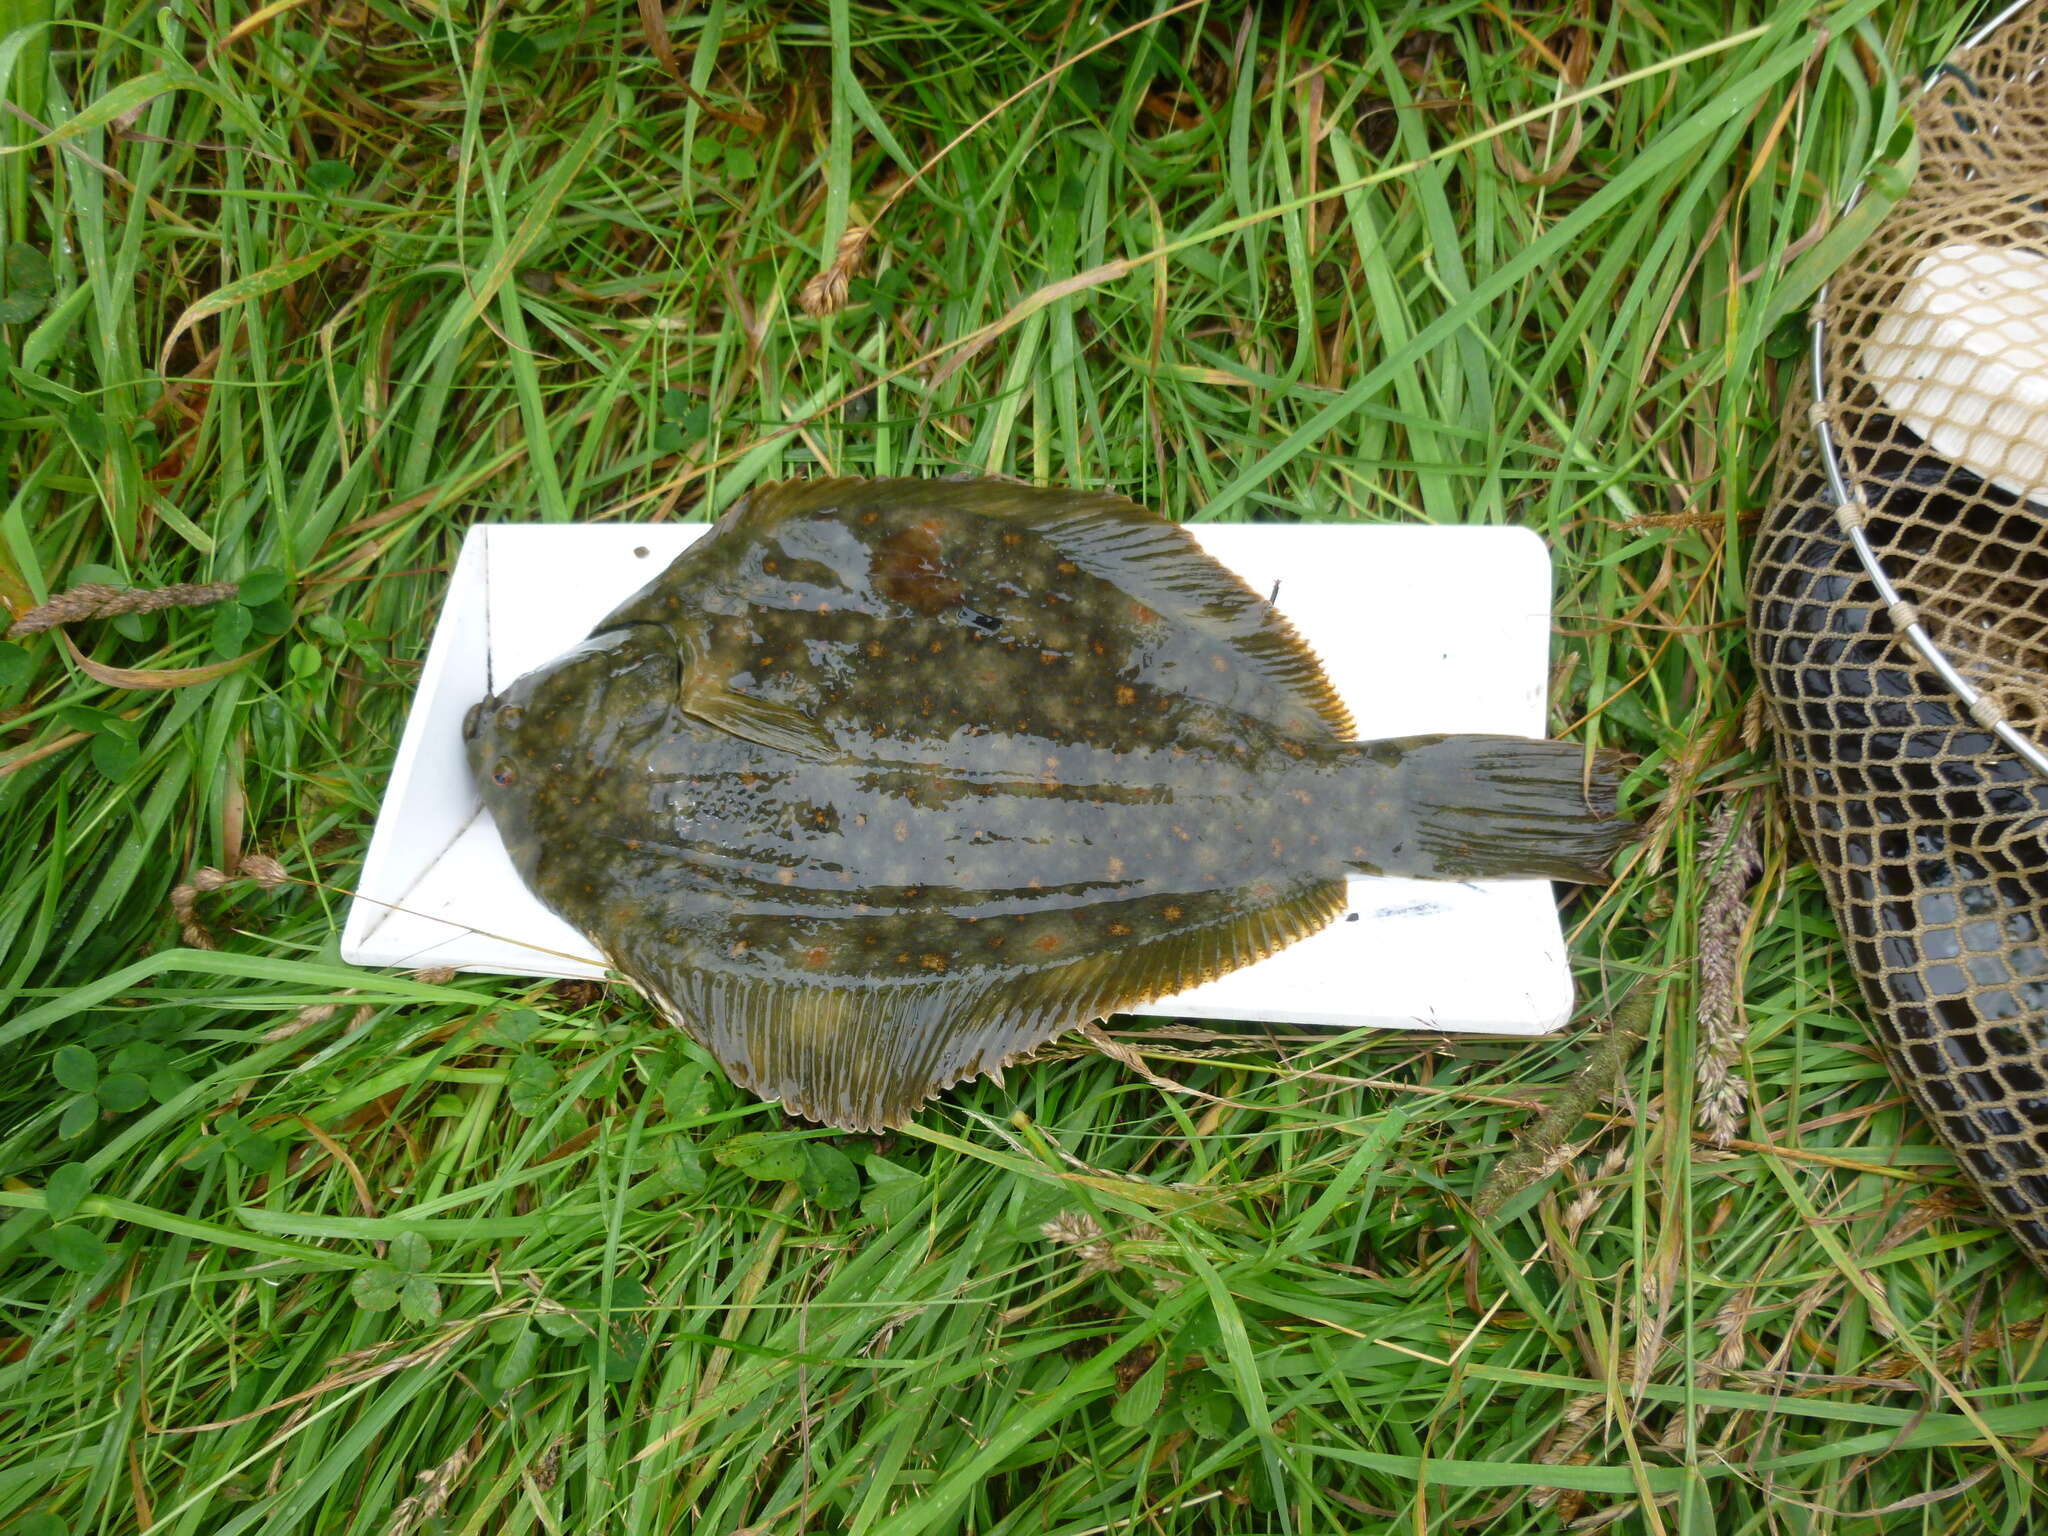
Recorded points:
(1930, 832)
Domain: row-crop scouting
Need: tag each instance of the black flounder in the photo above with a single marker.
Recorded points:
(882, 784)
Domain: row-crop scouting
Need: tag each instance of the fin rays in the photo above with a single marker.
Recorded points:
(864, 1058)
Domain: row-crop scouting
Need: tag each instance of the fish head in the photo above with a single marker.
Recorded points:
(543, 744)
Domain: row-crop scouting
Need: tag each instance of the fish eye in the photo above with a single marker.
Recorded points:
(503, 773)
(510, 716)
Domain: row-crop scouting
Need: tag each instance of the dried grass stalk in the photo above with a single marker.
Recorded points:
(94, 600)
(1546, 1146)
(259, 868)
(1722, 1093)
(440, 1484)
(826, 293)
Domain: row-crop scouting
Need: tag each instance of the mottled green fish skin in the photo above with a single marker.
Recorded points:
(882, 784)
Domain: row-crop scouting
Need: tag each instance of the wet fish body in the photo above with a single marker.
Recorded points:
(882, 784)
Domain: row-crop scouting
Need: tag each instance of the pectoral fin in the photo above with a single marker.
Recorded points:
(761, 721)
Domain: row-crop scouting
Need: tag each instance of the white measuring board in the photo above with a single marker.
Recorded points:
(1420, 629)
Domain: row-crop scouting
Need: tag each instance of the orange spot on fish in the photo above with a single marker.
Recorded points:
(1171, 914)
(1126, 695)
(1118, 930)
(1047, 942)
(816, 956)
(932, 962)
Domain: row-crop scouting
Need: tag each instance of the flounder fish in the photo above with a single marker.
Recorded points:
(883, 784)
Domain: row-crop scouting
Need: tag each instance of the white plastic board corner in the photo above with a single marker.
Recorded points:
(1421, 629)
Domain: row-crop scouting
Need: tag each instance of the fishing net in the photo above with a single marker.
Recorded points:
(1899, 615)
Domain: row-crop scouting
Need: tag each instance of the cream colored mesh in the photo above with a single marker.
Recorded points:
(1930, 829)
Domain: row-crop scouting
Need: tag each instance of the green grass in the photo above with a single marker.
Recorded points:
(330, 289)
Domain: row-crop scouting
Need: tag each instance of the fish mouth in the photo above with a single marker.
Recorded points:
(473, 722)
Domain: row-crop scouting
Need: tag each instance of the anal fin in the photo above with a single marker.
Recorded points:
(865, 1053)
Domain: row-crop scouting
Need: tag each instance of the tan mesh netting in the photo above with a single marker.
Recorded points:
(1929, 828)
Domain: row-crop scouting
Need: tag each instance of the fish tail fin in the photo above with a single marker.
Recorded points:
(1489, 808)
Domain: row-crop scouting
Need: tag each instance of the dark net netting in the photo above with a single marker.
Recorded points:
(1910, 723)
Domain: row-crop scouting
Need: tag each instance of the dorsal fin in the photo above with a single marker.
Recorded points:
(1273, 675)
(1159, 564)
